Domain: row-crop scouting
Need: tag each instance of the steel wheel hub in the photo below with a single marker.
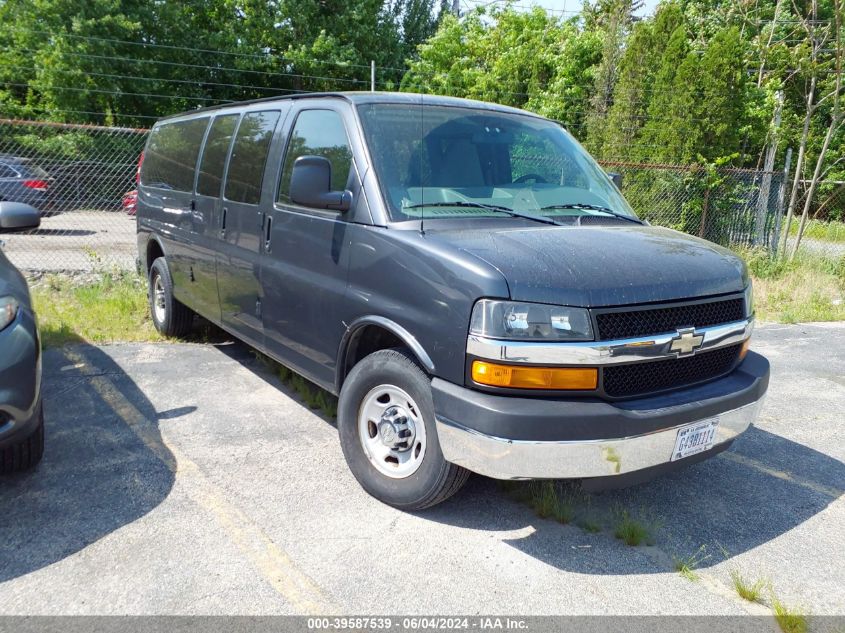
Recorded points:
(159, 305)
(391, 431)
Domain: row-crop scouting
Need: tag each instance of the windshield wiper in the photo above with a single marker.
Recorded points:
(488, 207)
(593, 207)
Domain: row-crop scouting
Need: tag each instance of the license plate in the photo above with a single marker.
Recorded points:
(695, 438)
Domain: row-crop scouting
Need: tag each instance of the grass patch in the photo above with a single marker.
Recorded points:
(789, 619)
(687, 566)
(809, 288)
(590, 525)
(634, 530)
(751, 591)
(832, 231)
(559, 501)
(553, 501)
(107, 308)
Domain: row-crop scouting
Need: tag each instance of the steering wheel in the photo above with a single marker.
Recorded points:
(537, 178)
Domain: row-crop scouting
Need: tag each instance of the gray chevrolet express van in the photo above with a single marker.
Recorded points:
(466, 279)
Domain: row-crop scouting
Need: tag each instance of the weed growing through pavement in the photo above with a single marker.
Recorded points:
(751, 591)
(634, 530)
(686, 566)
(314, 397)
(789, 619)
(560, 501)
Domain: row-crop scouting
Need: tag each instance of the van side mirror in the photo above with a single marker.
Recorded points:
(17, 215)
(311, 185)
(616, 177)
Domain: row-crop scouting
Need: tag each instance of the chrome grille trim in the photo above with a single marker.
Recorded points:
(596, 353)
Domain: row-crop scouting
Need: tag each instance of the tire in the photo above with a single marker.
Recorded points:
(390, 378)
(25, 454)
(170, 317)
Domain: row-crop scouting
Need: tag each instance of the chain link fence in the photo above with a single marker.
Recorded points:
(732, 207)
(82, 177)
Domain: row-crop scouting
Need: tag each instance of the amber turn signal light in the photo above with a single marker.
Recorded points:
(744, 349)
(519, 377)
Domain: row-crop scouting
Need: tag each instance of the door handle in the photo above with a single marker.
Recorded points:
(223, 223)
(268, 233)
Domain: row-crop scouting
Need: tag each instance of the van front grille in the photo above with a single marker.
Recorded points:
(648, 321)
(625, 381)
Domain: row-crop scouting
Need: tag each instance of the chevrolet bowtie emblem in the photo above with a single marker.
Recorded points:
(687, 342)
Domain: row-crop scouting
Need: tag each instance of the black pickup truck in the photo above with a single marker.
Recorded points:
(464, 276)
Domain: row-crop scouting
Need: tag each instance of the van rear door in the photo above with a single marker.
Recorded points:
(241, 224)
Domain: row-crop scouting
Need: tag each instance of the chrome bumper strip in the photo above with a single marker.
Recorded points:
(518, 459)
(605, 352)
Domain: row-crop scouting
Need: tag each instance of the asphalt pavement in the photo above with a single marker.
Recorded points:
(186, 479)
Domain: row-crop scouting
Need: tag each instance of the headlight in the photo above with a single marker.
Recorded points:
(530, 321)
(749, 299)
(8, 310)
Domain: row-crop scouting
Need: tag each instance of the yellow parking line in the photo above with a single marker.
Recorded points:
(828, 491)
(271, 562)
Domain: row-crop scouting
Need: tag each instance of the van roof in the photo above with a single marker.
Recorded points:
(367, 97)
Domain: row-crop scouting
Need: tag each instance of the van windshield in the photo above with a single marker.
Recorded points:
(443, 161)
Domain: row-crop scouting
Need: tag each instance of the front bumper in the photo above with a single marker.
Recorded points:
(509, 437)
(20, 379)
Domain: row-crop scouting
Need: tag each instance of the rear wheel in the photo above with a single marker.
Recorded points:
(388, 435)
(170, 317)
(26, 453)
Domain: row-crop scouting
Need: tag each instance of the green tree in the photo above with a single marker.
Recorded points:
(635, 86)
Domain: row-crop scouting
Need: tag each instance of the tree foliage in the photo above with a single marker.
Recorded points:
(693, 83)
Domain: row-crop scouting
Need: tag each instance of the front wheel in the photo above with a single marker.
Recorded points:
(170, 317)
(388, 436)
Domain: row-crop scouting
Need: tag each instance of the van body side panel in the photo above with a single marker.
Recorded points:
(421, 285)
(304, 269)
(166, 194)
(304, 281)
(206, 216)
(238, 260)
(169, 215)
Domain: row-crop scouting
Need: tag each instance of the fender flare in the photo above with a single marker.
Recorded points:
(157, 239)
(391, 326)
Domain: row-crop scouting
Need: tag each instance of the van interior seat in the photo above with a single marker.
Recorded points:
(461, 166)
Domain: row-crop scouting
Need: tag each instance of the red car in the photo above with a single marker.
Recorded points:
(130, 201)
(130, 198)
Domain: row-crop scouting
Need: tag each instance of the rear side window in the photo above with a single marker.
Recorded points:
(249, 155)
(214, 155)
(318, 133)
(171, 158)
(7, 172)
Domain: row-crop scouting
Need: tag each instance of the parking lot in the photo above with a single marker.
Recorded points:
(185, 479)
(75, 241)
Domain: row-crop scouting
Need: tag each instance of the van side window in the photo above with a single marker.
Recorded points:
(249, 155)
(170, 160)
(318, 133)
(214, 155)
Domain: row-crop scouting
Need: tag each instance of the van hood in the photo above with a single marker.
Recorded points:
(603, 266)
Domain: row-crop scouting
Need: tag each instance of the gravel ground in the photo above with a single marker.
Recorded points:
(77, 241)
(184, 479)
